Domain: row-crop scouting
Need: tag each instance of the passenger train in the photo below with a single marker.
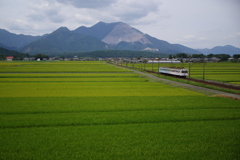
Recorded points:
(181, 72)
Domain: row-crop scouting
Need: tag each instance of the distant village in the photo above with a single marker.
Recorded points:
(129, 60)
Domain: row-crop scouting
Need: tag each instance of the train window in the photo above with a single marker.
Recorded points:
(184, 71)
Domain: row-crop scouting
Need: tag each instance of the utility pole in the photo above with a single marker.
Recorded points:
(141, 61)
(152, 64)
(189, 66)
(204, 69)
(144, 63)
(171, 59)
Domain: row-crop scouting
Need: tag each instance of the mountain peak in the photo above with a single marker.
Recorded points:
(124, 32)
(99, 30)
(62, 29)
(104, 23)
(100, 23)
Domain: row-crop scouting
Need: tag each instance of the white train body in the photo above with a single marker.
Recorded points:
(174, 71)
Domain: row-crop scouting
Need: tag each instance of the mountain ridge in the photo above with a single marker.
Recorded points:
(227, 49)
(14, 41)
(101, 36)
(99, 30)
(64, 40)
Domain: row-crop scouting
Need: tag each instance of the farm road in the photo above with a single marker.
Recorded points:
(202, 90)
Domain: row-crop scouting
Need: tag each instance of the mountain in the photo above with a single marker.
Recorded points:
(125, 33)
(14, 41)
(165, 47)
(121, 36)
(228, 49)
(64, 40)
(7, 47)
(101, 36)
(113, 33)
(99, 30)
(7, 52)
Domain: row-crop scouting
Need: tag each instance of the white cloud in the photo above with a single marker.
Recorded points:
(113, 10)
(88, 3)
(74, 13)
(189, 37)
(133, 10)
(202, 38)
(45, 11)
(193, 23)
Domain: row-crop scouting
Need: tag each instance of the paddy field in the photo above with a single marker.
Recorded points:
(93, 110)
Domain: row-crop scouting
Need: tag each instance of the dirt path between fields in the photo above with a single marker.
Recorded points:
(206, 91)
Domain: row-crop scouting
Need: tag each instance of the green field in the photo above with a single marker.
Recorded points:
(225, 71)
(56, 67)
(92, 110)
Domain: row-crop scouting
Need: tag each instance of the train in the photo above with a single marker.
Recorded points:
(176, 71)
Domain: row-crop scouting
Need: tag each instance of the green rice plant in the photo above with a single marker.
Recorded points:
(116, 117)
(86, 89)
(178, 140)
(109, 113)
(32, 105)
(238, 83)
(58, 67)
(93, 79)
(68, 75)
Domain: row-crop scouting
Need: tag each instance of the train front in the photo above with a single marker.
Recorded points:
(184, 72)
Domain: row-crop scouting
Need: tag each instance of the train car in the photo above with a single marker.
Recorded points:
(181, 72)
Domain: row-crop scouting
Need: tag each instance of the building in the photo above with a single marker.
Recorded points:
(9, 58)
(28, 59)
(164, 61)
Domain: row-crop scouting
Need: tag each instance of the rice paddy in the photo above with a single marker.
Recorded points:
(92, 110)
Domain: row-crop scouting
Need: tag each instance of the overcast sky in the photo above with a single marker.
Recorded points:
(193, 23)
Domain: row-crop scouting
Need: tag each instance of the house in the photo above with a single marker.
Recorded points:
(9, 58)
(28, 59)
(76, 58)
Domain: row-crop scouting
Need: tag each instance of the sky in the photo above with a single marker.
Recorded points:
(192, 23)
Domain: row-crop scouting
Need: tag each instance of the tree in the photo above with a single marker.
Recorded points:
(181, 55)
(223, 57)
(198, 56)
(236, 56)
(41, 56)
(210, 55)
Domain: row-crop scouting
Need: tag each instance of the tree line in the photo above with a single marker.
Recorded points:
(112, 54)
(222, 57)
